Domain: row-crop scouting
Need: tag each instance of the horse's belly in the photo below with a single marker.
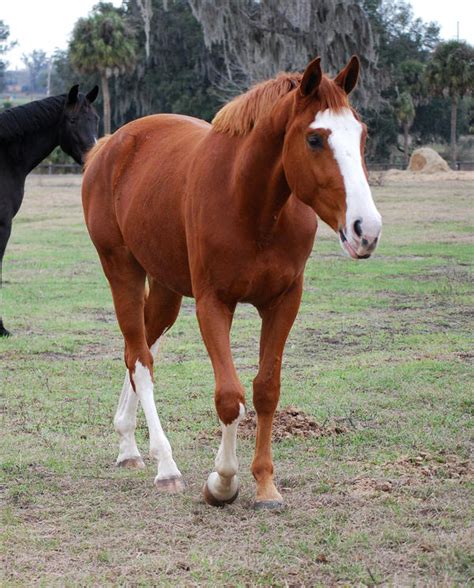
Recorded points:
(166, 262)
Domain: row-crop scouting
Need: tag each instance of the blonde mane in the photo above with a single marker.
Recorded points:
(239, 116)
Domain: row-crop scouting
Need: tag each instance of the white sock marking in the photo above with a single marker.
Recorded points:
(160, 447)
(125, 421)
(223, 483)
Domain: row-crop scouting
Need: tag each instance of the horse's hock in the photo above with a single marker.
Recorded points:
(427, 161)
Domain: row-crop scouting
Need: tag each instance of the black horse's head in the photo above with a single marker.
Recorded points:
(79, 124)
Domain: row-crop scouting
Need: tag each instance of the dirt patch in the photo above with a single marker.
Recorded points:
(288, 423)
(291, 422)
(410, 472)
(427, 465)
(370, 487)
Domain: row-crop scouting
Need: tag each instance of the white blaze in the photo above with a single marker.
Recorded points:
(344, 140)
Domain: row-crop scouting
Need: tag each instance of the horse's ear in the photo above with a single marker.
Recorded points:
(348, 77)
(72, 96)
(311, 77)
(92, 95)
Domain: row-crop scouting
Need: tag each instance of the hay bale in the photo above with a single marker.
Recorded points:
(427, 161)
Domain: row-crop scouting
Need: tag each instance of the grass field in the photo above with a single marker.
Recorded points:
(383, 347)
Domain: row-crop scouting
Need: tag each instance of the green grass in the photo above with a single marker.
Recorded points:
(384, 345)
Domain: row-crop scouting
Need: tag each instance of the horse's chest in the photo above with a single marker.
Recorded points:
(243, 263)
(257, 274)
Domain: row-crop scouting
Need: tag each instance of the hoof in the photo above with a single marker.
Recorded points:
(131, 463)
(277, 505)
(213, 501)
(4, 332)
(171, 485)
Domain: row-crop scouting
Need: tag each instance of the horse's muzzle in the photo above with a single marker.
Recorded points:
(358, 247)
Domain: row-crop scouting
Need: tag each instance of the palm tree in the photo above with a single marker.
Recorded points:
(412, 88)
(405, 113)
(451, 72)
(103, 43)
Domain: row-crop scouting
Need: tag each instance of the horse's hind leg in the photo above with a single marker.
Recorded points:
(5, 231)
(161, 309)
(125, 422)
(127, 282)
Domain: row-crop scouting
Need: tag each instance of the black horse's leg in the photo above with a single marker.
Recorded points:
(3, 331)
(5, 230)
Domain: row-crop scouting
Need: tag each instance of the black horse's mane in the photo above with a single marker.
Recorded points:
(17, 122)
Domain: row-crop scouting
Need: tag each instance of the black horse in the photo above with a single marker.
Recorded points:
(28, 134)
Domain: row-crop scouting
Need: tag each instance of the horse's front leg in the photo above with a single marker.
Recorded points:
(215, 320)
(277, 321)
(5, 231)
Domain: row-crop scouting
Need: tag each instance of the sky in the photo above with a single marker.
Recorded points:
(47, 24)
(41, 24)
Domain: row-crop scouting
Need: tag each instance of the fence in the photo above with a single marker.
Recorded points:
(57, 168)
(384, 165)
(74, 168)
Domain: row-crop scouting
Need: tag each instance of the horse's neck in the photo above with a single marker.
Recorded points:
(35, 147)
(263, 190)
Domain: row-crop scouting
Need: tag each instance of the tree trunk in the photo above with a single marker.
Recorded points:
(106, 98)
(406, 129)
(454, 115)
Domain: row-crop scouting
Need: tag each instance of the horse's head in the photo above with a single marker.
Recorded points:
(79, 124)
(324, 158)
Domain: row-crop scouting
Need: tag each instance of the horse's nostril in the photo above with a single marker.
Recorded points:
(358, 228)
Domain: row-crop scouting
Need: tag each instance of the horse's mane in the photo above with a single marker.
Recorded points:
(95, 149)
(35, 116)
(239, 116)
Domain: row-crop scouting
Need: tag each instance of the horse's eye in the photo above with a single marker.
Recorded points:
(315, 141)
(73, 121)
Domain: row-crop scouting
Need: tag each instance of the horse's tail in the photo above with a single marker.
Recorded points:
(93, 152)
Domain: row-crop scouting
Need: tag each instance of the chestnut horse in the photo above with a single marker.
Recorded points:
(225, 213)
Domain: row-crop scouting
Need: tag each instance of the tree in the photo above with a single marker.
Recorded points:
(4, 48)
(146, 11)
(258, 39)
(412, 90)
(451, 72)
(178, 75)
(103, 43)
(399, 35)
(405, 113)
(400, 38)
(37, 63)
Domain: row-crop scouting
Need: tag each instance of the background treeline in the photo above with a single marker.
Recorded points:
(190, 56)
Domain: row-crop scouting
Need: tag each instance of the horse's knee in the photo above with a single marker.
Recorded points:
(228, 403)
(138, 357)
(266, 393)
